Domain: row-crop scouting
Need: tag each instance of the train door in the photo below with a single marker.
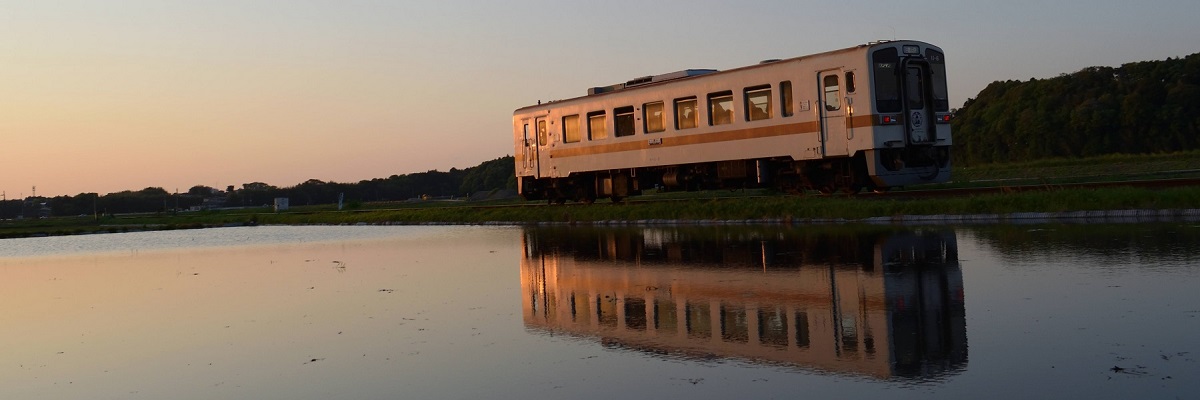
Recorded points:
(918, 110)
(543, 145)
(529, 160)
(833, 113)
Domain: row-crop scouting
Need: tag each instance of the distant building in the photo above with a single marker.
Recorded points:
(281, 204)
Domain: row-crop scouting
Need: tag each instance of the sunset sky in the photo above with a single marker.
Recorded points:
(104, 96)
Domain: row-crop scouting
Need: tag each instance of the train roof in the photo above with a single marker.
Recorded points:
(653, 80)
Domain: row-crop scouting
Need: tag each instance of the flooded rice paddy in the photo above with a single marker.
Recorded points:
(269, 312)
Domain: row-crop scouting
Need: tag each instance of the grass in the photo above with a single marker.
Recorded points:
(739, 205)
(1114, 167)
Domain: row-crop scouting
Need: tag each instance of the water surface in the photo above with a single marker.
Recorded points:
(1081, 311)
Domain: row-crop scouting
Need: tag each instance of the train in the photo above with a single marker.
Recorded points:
(874, 116)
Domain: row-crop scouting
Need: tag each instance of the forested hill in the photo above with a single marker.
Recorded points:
(1142, 107)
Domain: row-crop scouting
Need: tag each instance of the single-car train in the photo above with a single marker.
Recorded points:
(874, 116)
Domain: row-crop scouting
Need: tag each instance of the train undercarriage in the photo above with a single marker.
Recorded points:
(866, 170)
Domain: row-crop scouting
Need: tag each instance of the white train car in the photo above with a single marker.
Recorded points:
(873, 116)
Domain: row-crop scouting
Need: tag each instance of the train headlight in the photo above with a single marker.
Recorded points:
(888, 119)
(943, 118)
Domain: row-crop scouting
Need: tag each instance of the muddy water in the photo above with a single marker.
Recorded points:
(1095, 311)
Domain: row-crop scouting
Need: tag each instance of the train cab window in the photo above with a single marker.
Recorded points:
(720, 108)
(785, 97)
(937, 72)
(887, 82)
(543, 135)
(623, 121)
(652, 116)
(571, 132)
(832, 91)
(686, 113)
(758, 103)
(849, 82)
(597, 128)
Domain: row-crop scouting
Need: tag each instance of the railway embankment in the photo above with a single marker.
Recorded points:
(1071, 205)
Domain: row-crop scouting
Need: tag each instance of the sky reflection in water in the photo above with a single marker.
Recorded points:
(1096, 311)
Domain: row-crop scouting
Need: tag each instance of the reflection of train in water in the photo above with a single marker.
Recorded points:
(875, 115)
(885, 304)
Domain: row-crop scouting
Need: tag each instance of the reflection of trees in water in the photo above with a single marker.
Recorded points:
(1142, 242)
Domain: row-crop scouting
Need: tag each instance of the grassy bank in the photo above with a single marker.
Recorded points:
(735, 208)
(1114, 167)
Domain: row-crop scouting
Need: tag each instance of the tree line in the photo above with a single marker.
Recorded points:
(1141, 107)
(488, 176)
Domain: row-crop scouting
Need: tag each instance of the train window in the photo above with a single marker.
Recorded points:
(597, 126)
(720, 108)
(652, 116)
(785, 97)
(887, 82)
(833, 95)
(623, 121)
(698, 320)
(635, 314)
(735, 324)
(665, 316)
(802, 334)
(686, 113)
(758, 103)
(773, 326)
(543, 136)
(582, 309)
(571, 133)
(606, 311)
(849, 82)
